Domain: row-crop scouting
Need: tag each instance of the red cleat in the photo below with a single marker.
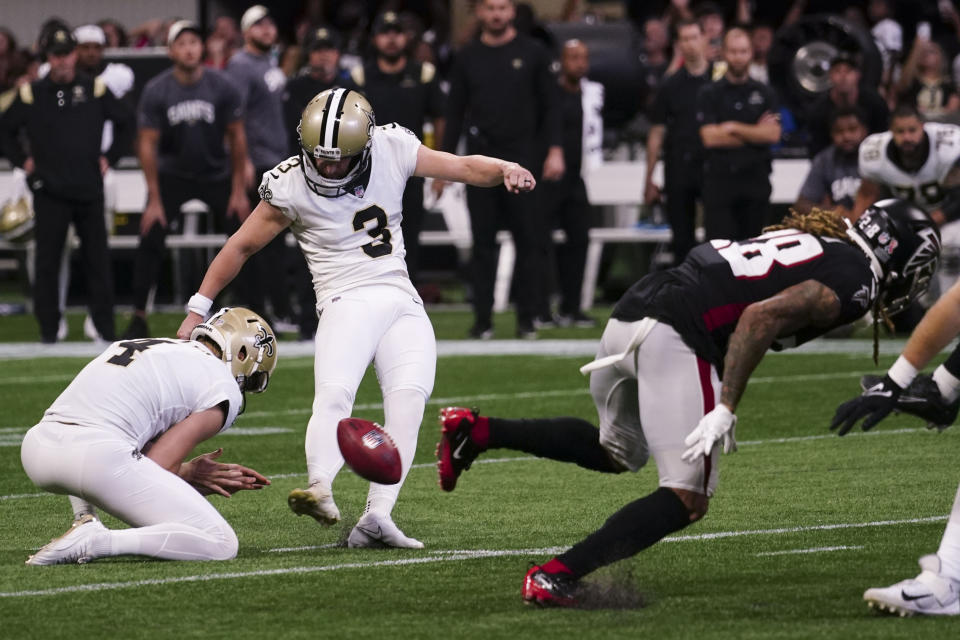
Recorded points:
(549, 589)
(456, 450)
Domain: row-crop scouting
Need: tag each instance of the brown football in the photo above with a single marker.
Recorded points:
(369, 450)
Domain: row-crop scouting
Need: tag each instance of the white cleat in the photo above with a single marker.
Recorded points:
(316, 502)
(377, 531)
(929, 594)
(72, 546)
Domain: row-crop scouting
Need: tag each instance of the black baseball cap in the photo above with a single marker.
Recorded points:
(59, 42)
(845, 57)
(387, 21)
(322, 38)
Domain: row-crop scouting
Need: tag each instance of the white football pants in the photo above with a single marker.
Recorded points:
(170, 519)
(385, 325)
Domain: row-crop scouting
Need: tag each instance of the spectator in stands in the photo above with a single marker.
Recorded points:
(888, 34)
(408, 93)
(676, 131)
(739, 120)
(924, 81)
(834, 178)
(223, 42)
(845, 91)
(565, 203)
(654, 60)
(62, 116)
(321, 72)
(761, 38)
(8, 58)
(711, 19)
(503, 97)
(261, 82)
(185, 114)
(115, 33)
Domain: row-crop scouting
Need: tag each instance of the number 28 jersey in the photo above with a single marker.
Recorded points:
(703, 297)
(353, 239)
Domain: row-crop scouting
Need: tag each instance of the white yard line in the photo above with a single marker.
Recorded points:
(450, 555)
(788, 552)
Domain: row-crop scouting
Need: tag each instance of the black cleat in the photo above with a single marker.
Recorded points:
(136, 329)
(456, 450)
(922, 398)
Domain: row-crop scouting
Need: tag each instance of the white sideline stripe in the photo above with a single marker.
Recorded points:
(311, 547)
(817, 527)
(438, 556)
(786, 552)
(17, 496)
(826, 436)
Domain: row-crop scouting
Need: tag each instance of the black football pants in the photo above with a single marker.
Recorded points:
(735, 207)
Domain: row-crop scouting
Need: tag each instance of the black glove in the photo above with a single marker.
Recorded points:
(875, 403)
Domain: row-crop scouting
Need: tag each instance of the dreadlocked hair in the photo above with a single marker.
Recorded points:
(825, 223)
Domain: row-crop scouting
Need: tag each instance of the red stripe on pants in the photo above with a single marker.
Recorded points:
(709, 402)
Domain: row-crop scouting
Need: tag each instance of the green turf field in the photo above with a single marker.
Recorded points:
(807, 521)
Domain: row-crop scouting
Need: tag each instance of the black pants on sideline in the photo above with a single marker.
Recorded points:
(174, 191)
(264, 276)
(53, 217)
(735, 207)
(566, 207)
(491, 209)
(411, 224)
(682, 188)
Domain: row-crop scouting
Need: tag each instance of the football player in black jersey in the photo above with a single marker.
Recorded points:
(672, 338)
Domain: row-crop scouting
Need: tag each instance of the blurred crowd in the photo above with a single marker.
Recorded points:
(420, 70)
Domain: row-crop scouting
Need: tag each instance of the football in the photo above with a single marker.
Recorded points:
(369, 450)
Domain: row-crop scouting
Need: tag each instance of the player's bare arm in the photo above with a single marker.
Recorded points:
(868, 193)
(806, 304)
(939, 326)
(176, 442)
(475, 170)
(651, 193)
(264, 224)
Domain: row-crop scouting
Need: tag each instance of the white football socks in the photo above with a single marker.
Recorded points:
(331, 404)
(169, 541)
(949, 551)
(403, 413)
(948, 384)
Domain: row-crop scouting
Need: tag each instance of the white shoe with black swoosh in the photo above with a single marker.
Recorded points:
(929, 594)
(377, 531)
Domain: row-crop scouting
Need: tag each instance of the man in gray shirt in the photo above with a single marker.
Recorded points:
(834, 178)
(261, 82)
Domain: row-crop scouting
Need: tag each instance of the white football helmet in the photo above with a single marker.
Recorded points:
(246, 342)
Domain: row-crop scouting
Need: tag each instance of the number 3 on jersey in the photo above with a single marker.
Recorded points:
(754, 258)
(380, 233)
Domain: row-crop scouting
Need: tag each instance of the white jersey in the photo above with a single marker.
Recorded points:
(353, 239)
(141, 388)
(923, 187)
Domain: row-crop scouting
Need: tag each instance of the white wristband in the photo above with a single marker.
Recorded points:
(199, 304)
(902, 372)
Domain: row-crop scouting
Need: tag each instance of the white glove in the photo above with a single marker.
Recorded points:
(716, 425)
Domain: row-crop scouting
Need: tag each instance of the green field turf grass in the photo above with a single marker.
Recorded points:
(789, 477)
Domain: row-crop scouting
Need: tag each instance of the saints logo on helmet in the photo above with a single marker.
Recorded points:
(16, 220)
(336, 133)
(246, 343)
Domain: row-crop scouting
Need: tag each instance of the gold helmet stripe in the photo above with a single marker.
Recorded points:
(331, 125)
